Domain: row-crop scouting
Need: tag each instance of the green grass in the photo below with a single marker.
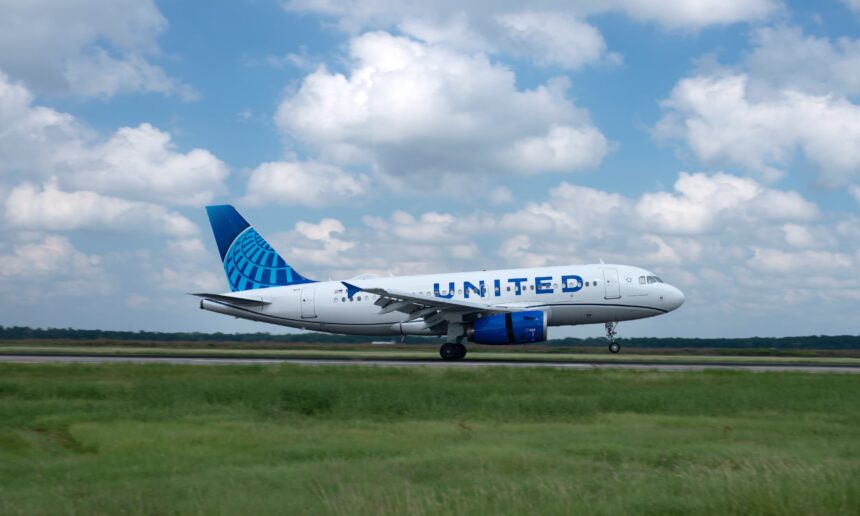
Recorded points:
(153, 439)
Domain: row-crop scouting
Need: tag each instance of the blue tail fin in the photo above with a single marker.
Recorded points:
(249, 261)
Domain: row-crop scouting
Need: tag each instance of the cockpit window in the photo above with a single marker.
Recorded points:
(653, 279)
(658, 279)
(641, 280)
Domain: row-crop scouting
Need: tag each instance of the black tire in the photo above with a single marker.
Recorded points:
(461, 351)
(614, 347)
(449, 351)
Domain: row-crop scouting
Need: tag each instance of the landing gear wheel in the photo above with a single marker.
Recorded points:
(452, 351)
(614, 347)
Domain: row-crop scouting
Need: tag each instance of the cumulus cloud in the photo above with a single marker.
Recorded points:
(144, 161)
(88, 48)
(28, 265)
(141, 162)
(411, 109)
(789, 97)
(716, 118)
(553, 38)
(783, 57)
(703, 203)
(48, 208)
(53, 255)
(551, 31)
(308, 183)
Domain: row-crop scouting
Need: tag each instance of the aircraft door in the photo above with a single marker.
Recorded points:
(610, 281)
(308, 304)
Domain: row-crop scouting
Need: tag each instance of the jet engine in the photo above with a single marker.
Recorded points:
(509, 328)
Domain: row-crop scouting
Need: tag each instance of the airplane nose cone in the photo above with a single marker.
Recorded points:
(674, 298)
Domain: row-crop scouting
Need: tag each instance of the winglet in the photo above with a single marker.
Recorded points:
(351, 289)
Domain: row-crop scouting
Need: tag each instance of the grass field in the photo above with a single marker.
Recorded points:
(154, 439)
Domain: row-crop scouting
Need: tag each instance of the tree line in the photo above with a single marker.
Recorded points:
(800, 342)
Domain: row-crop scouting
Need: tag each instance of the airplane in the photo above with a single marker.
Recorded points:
(510, 306)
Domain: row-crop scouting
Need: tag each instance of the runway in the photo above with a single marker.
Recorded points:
(436, 363)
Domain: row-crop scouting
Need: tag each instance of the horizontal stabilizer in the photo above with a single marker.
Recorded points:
(233, 300)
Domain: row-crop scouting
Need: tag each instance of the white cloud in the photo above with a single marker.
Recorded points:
(415, 110)
(786, 58)
(789, 97)
(52, 256)
(704, 203)
(49, 209)
(780, 261)
(697, 14)
(87, 48)
(45, 270)
(485, 23)
(553, 38)
(101, 75)
(717, 119)
(430, 227)
(307, 183)
(187, 266)
(141, 162)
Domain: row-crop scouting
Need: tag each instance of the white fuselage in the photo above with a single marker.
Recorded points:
(569, 295)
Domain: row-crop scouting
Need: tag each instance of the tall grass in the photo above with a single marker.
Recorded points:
(149, 439)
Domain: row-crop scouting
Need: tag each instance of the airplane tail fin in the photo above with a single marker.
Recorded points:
(249, 261)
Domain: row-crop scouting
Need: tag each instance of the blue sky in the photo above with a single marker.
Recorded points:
(716, 142)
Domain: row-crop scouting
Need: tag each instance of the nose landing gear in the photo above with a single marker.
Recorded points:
(614, 347)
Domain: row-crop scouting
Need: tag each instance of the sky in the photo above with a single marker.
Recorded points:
(715, 142)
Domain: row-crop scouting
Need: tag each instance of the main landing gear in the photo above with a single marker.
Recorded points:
(614, 347)
(452, 351)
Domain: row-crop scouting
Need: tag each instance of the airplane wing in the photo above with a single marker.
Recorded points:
(433, 310)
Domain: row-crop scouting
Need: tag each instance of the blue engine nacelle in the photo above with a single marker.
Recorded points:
(509, 328)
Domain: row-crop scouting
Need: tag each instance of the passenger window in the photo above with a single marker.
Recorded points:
(531, 287)
(509, 289)
(555, 285)
(459, 292)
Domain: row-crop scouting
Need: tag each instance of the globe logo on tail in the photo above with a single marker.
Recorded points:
(252, 263)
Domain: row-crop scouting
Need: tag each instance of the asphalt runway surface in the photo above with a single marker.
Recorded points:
(429, 362)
